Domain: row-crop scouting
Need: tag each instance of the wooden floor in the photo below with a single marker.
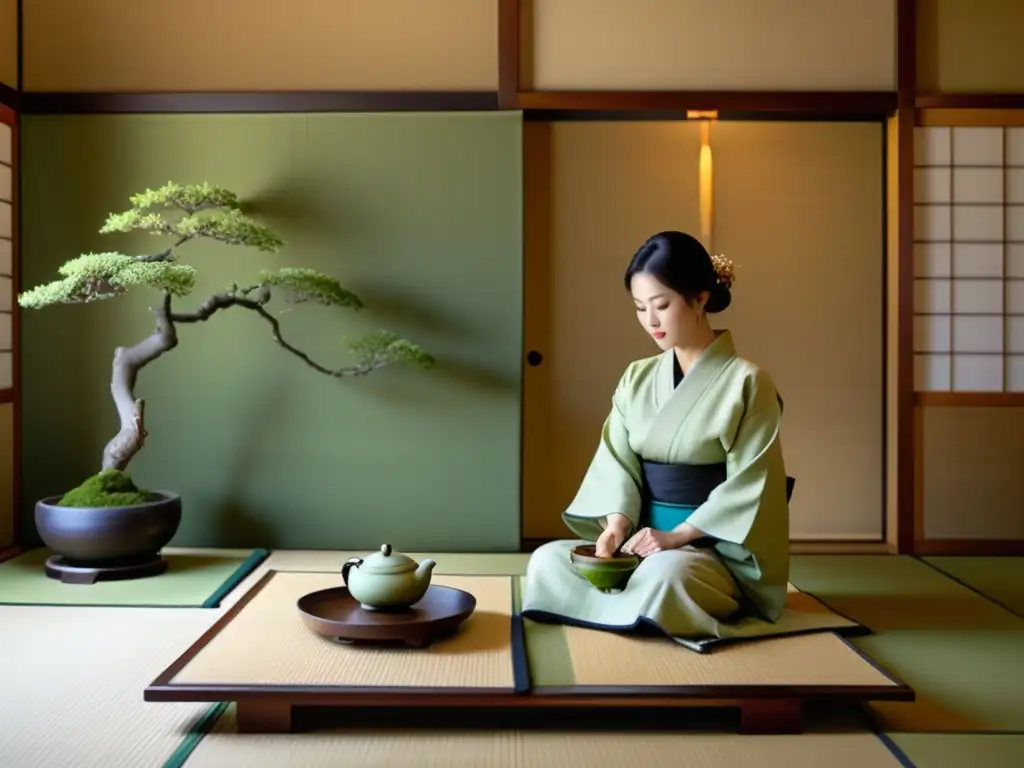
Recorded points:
(71, 682)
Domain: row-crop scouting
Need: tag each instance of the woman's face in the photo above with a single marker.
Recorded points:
(665, 314)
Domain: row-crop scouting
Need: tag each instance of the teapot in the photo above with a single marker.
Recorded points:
(386, 579)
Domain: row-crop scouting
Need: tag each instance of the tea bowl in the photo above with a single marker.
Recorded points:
(605, 573)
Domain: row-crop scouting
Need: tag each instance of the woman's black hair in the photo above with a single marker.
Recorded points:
(680, 262)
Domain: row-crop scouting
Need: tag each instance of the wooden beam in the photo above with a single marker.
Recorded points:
(600, 104)
(969, 101)
(971, 399)
(258, 102)
(970, 116)
(845, 547)
(970, 547)
(549, 105)
(12, 395)
(9, 96)
(906, 448)
(510, 42)
(646, 115)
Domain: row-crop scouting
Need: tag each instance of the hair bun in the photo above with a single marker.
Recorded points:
(682, 263)
(719, 299)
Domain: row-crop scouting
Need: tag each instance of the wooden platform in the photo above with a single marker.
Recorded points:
(260, 656)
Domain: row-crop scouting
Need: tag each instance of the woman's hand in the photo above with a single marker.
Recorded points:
(613, 535)
(647, 541)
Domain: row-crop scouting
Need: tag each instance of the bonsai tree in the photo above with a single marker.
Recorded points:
(185, 213)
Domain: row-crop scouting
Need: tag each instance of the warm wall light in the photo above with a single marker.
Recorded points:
(706, 196)
(706, 192)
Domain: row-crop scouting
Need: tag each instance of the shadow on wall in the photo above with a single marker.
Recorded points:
(233, 519)
(236, 520)
(407, 312)
(298, 206)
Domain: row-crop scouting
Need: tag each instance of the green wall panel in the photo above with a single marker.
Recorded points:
(420, 214)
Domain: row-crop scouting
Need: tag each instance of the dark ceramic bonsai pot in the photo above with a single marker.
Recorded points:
(101, 536)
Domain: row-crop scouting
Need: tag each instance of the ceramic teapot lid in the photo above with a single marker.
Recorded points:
(387, 561)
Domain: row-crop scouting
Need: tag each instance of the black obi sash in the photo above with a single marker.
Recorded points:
(687, 484)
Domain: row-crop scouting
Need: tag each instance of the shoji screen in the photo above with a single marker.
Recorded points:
(969, 287)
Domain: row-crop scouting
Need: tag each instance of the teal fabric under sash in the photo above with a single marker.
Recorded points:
(663, 516)
(671, 492)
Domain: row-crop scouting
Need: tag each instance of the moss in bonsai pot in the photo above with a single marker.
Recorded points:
(110, 488)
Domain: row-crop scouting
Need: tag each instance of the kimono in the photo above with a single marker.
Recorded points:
(705, 451)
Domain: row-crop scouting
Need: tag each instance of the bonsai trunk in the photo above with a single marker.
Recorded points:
(128, 361)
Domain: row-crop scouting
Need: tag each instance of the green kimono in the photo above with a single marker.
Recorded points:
(732, 583)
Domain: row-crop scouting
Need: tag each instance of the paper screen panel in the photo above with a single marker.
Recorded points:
(968, 260)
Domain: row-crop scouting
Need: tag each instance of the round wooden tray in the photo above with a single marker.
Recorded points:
(335, 614)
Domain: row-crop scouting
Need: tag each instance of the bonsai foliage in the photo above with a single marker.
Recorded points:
(183, 214)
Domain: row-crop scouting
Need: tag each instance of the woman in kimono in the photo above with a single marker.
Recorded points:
(688, 474)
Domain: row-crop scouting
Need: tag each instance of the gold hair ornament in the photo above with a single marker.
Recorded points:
(724, 268)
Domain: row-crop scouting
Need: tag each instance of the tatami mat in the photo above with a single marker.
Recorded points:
(818, 659)
(937, 750)
(71, 682)
(889, 592)
(193, 579)
(267, 644)
(530, 749)
(961, 653)
(76, 675)
(561, 656)
(964, 680)
(998, 578)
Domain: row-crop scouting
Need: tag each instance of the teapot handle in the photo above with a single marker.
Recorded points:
(356, 561)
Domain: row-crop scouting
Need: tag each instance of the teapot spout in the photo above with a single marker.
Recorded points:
(423, 571)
